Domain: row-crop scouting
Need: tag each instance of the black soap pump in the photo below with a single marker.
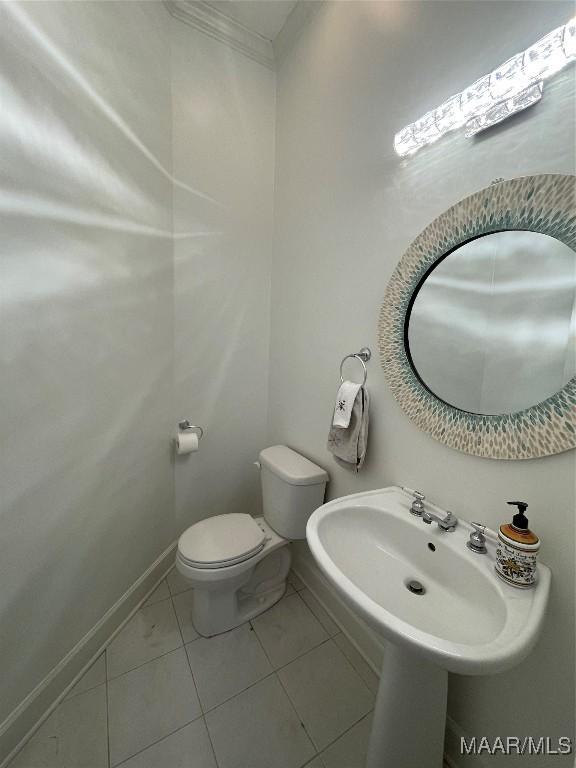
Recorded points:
(517, 550)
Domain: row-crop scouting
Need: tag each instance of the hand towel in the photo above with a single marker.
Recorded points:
(344, 403)
(348, 444)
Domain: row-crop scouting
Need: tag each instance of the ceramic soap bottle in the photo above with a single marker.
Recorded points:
(517, 550)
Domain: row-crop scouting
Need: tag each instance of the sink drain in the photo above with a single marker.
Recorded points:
(415, 587)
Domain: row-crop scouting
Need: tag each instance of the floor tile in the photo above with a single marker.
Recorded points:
(160, 593)
(183, 607)
(327, 692)
(259, 729)
(74, 735)
(296, 581)
(289, 589)
(150, 702)
(177, 583)
(187, 748)
(358, 662)
(351, 749)
(320, 612)
(226, 664)
(94, 676)
(150, 633)
(288, 629)
(316, 763)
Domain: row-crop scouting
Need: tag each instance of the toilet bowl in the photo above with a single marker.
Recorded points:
(238, 564)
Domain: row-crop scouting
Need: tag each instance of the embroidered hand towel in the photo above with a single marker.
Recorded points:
(344, 403)
(348, 444)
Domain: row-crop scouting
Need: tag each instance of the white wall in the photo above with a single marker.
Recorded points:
(223, 139)
(100, 311)
(86, 328)
(346, 209)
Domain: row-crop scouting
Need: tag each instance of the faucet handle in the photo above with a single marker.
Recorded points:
(480, 527)
(477, 540)
(417, 507)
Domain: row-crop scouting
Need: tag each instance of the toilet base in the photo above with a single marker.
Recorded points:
(219, 606)
(218, 616)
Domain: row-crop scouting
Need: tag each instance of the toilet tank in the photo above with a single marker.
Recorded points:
(292, 488)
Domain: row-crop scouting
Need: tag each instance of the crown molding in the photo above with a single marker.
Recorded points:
(217, 25)
(301, 15)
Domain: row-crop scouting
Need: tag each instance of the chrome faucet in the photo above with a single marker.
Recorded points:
(417, 507)
(447, 523)
(477, 540)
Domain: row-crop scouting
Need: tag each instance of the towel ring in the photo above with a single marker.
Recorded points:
(363, 356)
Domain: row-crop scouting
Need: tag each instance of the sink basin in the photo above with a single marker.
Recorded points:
(467, 620)
(441, 607)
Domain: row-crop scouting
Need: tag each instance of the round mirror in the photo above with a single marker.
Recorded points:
(492, 326)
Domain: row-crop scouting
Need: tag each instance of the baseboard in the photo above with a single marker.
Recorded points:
(453, 754)
(20, 725)
(367, 642)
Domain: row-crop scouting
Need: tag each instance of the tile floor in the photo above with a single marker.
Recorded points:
(283, 691)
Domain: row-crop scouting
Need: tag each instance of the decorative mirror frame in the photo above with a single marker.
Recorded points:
(543, 204)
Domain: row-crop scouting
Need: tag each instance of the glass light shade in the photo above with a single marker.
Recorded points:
(569, 42)
(477, 98)
(405, 142)
(426, 130)
(514, 85)
(545, 57)
(509, 78)
(449, 115)
(504, 109)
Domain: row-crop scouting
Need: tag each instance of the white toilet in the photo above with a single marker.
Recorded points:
(238, 564)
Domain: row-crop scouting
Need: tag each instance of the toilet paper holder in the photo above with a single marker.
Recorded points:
(185, 426)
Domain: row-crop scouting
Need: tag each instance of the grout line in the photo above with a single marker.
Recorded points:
(193, 680)
(147, 603)
(352, 667)
(239, 693)
(91, 688)
(310, 739)
(177, 621)
(275, 672)
(162, 738)
(160, 656)
(368, 714)
(253, 629)
(107, 710)
(199, 699)
(183, 592)
(210, 740)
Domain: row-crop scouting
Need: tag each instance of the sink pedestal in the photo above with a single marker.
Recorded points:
(410, 714)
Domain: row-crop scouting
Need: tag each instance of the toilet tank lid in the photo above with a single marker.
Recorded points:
(291, 466)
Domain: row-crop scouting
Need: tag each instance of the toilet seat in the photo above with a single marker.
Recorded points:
(221, 541)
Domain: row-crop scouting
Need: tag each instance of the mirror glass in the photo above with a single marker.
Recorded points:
(492, 327)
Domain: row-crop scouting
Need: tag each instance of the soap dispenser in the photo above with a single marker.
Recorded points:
(517, 550)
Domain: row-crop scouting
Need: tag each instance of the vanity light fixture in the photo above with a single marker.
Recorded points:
(513, 86)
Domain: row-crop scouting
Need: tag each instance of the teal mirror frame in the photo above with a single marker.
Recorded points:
(544, 203)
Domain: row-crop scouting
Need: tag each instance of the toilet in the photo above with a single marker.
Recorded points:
(238, 564)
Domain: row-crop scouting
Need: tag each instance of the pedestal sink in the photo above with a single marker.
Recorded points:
(440, 606)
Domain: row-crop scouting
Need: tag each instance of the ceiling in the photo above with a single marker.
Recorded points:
(265, 17)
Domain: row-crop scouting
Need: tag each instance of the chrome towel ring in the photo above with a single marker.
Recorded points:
(363, 356)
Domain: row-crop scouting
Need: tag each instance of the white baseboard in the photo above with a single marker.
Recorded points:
(23, 721)
(453, 754)
(367, 642)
